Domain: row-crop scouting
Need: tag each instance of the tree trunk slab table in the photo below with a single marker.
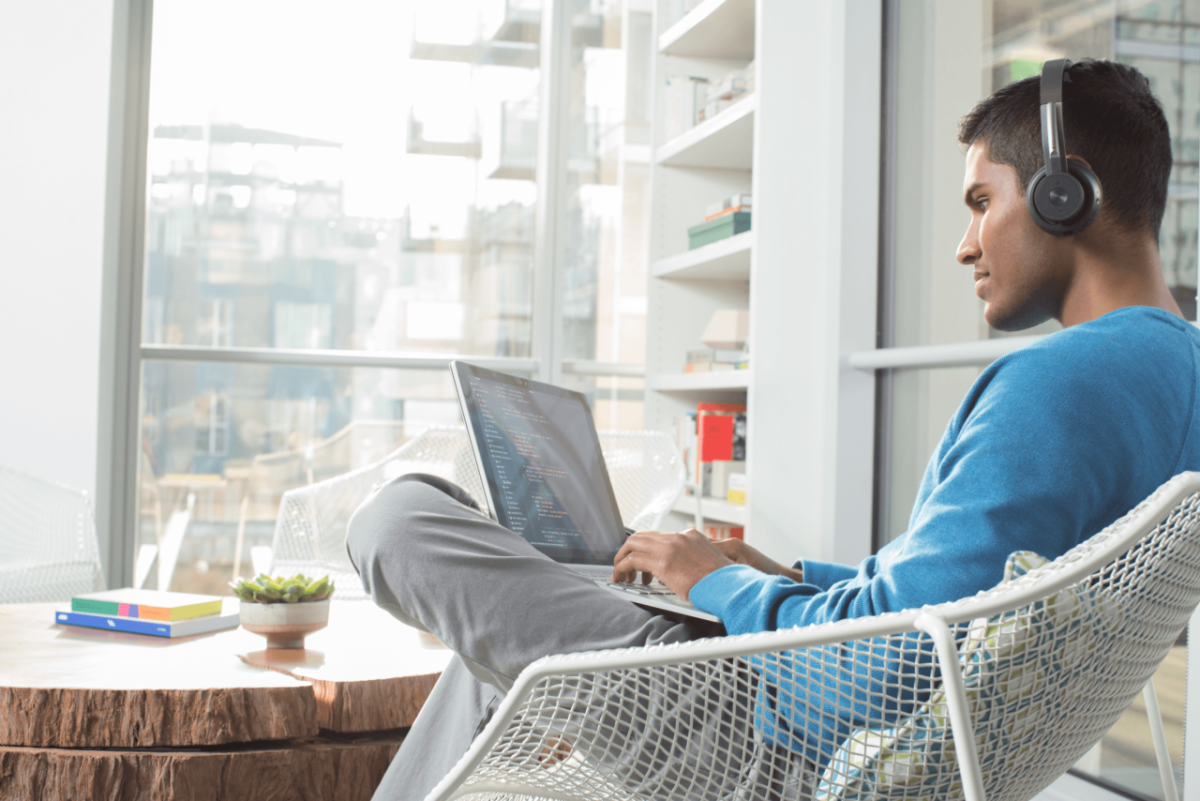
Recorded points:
(91, 714)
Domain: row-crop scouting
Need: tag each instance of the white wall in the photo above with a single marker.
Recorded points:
(54, 73)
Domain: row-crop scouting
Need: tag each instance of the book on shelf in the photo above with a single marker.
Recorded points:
(711, 360)
(720, 473)
(713, 367)
(685, 440)
(147, 604)
(720, 436)
(225, 618)
(724, 531)
(712, 441)
(729, 205)
(685, 98)
(719, 95)
(719, 227)
(736, 490)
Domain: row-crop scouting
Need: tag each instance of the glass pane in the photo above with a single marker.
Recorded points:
(221, 443)
(951, 55)
(604, 274)
(365, 182)
(617, 402)
(1126, 754)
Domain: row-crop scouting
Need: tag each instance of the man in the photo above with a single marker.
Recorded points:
(1050, 445)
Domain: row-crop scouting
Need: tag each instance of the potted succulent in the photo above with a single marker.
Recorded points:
(284, 610)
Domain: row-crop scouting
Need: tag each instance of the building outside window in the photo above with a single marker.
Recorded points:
(944, 57)
(368, 183)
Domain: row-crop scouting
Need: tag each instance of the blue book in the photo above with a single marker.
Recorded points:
(228, 619)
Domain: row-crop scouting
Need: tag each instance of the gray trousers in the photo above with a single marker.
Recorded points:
(433, 560)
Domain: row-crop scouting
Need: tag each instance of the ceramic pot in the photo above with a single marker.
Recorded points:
(284, 625)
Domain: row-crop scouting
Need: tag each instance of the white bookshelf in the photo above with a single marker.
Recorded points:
(806, 271)
(715, 510)
(709, 161)
(728, 259)
(735, 380)
(714, 29)
(725, 142)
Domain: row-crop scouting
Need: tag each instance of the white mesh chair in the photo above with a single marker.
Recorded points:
(993, 696)
(48, 546)
(310, 533)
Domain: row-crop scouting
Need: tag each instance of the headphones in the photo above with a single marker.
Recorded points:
(1064, 196)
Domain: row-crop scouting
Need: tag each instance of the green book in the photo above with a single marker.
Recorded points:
(147, 604)
(718, 228)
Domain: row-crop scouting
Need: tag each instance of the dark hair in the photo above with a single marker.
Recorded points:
(1112, 121)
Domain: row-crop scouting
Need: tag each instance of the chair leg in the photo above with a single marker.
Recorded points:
(956, 700)
(1159, 735)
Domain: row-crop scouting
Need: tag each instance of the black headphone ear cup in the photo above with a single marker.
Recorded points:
(1093, 194)
(1063, 205)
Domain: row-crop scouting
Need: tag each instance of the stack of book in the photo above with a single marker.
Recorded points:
(723, 531)
(714, 360)
(713, 443)
(153, 612)
(720, 95)
(692, 99)
(727, 217)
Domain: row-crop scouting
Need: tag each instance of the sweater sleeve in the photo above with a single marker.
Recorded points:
(824, 574)
(1043, 452)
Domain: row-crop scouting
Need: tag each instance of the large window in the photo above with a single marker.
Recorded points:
(942, 58)
(341, 199)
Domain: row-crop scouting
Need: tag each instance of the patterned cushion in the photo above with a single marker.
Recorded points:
(1006, 664)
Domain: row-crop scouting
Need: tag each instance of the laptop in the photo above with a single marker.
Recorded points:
(544, 477)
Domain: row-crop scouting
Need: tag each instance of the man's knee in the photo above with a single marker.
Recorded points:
(387, 518)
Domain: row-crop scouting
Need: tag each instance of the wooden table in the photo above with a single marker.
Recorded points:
(106, 715)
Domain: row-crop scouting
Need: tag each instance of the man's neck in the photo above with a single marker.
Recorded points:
(1111, 275)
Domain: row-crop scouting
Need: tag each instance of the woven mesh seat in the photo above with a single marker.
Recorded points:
(48, 546)
(993, 696)
(310, 533)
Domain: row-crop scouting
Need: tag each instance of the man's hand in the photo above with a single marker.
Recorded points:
(678, 560)
(739, 552)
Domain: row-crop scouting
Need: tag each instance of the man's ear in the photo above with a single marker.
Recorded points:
(1081, 160)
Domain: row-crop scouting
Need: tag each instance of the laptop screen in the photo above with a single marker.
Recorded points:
(541, 464)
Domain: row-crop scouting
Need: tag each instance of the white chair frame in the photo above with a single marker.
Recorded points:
(505, 758)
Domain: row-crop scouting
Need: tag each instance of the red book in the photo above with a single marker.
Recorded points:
(714, 433)
(716, 437)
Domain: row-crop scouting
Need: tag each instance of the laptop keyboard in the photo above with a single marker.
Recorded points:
(637, 588)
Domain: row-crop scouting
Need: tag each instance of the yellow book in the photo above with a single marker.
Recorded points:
(147, 604)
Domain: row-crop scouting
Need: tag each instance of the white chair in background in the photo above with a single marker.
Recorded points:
(1019, 682)
(310, 534)
(359, 444)
(48, 545)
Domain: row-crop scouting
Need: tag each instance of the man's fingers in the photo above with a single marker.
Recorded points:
(636, 555)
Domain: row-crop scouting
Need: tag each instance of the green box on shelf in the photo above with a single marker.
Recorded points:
(720, 228)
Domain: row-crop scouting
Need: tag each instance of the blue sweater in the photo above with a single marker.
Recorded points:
(1051, 444)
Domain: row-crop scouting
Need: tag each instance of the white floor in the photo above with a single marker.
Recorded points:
(1072, 788)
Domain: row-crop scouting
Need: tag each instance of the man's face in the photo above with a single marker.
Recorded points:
(1021, 272)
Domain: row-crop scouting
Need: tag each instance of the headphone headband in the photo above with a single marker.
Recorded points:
(1052, 80)
(1054, 148)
